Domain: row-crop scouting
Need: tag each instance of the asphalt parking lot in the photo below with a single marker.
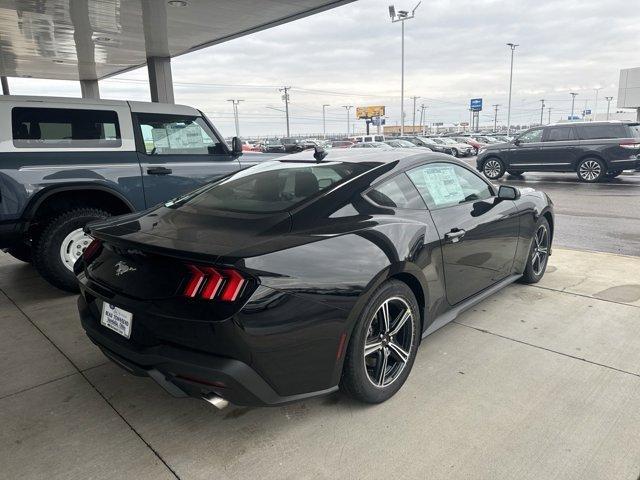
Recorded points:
(535, 382)
(602, 217)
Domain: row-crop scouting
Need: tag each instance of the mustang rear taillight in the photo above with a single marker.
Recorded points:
(631, 145)
(209, 283)
(92, 250)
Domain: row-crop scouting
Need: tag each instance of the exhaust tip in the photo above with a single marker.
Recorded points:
(216, 401)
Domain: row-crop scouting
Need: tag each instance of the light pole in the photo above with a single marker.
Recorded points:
(541, 110)
(594, 117)
(324, 121)
(423, 107)
(512, 46)
(413, 124)
(495, 117)
(549, 112)
(608, 99)
(285, 98)
(348, 109)
(235, 114)
(401, 16)
(573, 103)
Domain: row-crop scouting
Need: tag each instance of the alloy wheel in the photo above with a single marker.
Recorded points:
(540, 252)
(72, 247)
(388, 344)
(590, 170)
(492, 168)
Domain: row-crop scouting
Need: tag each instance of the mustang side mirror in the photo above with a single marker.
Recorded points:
(507, 192)
(236, 146)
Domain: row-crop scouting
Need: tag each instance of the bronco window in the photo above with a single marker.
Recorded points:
(64, 128)
(177, 135)
(270, 187)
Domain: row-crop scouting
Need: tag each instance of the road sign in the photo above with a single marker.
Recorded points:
(476, 104)
(369, 112)
(587, 112)
(378, 121)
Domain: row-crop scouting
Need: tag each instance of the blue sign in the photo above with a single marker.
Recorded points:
(476, 104)
(587, 112)
(378, 121)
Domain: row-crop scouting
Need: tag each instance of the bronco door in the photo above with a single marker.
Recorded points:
(178, 152)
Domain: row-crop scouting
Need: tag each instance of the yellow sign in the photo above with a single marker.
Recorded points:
(370, 112)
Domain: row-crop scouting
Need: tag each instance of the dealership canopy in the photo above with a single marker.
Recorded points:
(89, 40)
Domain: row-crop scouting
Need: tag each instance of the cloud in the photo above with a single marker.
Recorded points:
(455, 50)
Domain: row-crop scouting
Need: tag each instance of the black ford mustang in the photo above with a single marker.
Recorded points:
(299, 276)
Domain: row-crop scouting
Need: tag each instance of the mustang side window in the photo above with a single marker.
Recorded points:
(397, 193)
(177, 135)
(447, 184)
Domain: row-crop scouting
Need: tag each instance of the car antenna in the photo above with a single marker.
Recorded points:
(319, 153)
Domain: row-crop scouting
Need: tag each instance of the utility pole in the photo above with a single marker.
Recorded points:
(541, 110)
(324, 121)
(235, 114)
(573, 103)
(413, 125)
(422, 109)
(348, 109)
(285, 98)
(513, 48)
(495, 117)
(608, 99)
(594, 116)
(401, 17)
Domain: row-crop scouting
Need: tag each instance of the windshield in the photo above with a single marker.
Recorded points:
(404, 144)
(270, 186)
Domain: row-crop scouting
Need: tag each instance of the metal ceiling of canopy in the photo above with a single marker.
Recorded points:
(94, 39)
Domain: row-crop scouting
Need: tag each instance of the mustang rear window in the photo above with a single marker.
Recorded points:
(270, 186)
(64, 128)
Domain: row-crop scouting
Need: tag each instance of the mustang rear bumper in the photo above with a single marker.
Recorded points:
(184, 372)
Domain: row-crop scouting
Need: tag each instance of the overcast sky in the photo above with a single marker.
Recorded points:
(455, 50)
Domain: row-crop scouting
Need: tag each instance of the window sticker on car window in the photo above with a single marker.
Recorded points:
(443, 184)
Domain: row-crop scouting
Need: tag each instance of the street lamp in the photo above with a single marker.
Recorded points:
(401, 16)
(348, 108)
(573, 103)
(594, 117)
(608, 99)
(235, 114)
(324, 122)
(513, 48)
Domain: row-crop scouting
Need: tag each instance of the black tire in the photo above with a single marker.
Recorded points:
(493, 168)
(590, 170)
(46, 252)
(21, 252)
(613, 174)
(356, 375)
(454, 152)
(535, 271)
(515, 173)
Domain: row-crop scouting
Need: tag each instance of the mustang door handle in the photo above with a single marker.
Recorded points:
(159, 171)
(454, 235)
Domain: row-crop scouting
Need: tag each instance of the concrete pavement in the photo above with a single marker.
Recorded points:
(535, 382)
